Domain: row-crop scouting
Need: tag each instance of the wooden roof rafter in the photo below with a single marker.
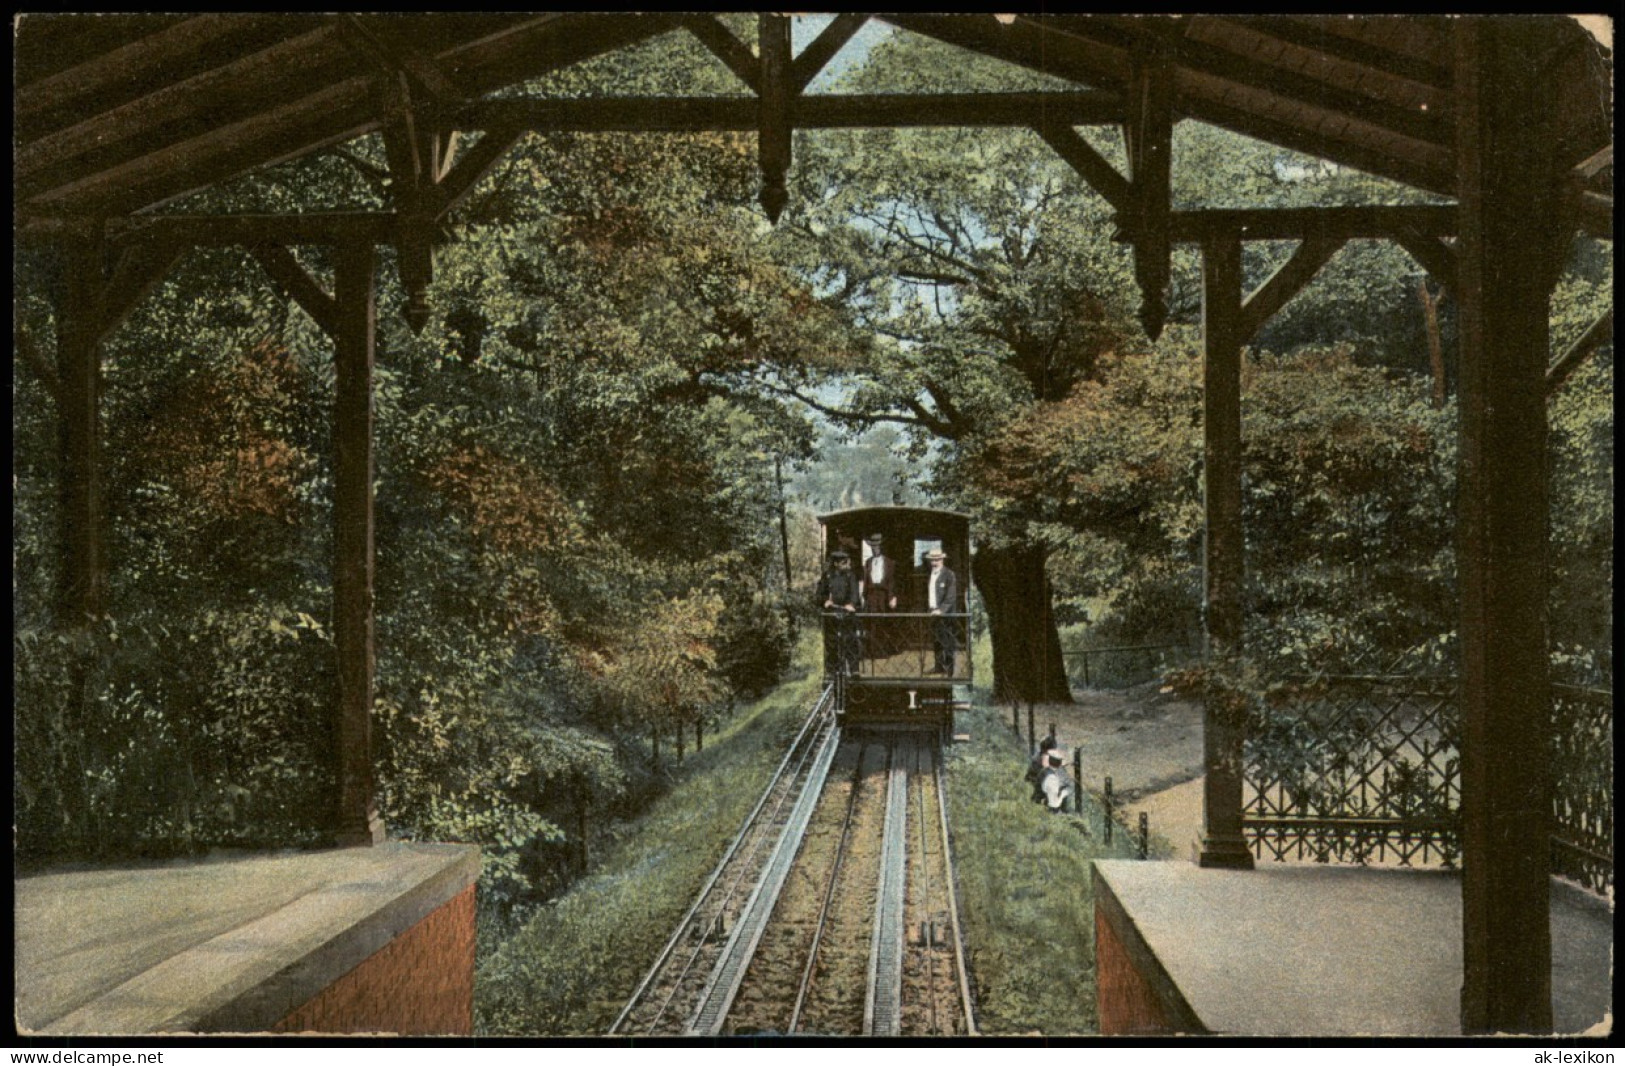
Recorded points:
(144, 109)
(270, 103)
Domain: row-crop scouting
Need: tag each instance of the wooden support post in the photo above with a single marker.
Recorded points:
(82, 540)
(1222, 841)
(1511, 240)
(773, 42)
(356, 821)
(1149, 133)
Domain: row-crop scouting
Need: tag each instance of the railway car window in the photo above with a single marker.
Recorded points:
(921, 546)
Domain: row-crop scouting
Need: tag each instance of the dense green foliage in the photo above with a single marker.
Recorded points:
(571, 966)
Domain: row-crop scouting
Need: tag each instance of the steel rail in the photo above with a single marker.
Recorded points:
(952, 882)
(749, 871)
(829, 896)
(882, 1006)
(819, 709)
(729, 971)
(925, 889)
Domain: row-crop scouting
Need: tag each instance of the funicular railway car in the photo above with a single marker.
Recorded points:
(897, 658)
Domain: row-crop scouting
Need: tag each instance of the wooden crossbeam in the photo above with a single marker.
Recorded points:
(703, 113)
(1589, 168)
(1305, 34)
(137, 62)
(377, 37)
(1287, 281)
(327, 115)
(1286, 84)
(1424, 165)
(829, 41)
(1437, 257)
(287, 272)
(1029, 42)
(199, 100)
(1596, 335)
(474, 164)
(25, 347)
(1093, 167)
(720, 41)
(530, 48)
(1391, 221)
(249, 229)
(136, 272)
(1595, 213)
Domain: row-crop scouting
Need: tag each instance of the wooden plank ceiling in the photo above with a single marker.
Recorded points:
(121, 113)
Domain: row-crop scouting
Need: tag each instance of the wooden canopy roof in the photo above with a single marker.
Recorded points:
(121, 113)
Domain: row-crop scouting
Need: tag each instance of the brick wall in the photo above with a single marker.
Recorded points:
(1127, 1002)
(421, 983)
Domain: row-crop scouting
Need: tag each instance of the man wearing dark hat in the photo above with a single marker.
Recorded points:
(879, 594)
(839, 593)
(942, 600)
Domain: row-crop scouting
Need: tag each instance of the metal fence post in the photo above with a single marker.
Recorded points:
(1077, 779)
(1032, 739)
(1145, 835)
(1107, 805)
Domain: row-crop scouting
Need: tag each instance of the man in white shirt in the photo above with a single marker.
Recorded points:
(879, 596)
(942, 600)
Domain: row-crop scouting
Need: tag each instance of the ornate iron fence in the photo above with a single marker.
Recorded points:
(1366, 769)
(1583, 785)
(1356, 769)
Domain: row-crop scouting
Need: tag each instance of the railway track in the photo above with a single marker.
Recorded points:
(842, 917)
(706, 940)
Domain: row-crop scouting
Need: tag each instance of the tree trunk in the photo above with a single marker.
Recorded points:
(1027, 662)
(1430, 313)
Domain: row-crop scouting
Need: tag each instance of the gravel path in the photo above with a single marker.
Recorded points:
(1148, 741)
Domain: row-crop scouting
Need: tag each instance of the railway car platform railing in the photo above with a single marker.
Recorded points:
(899, 646)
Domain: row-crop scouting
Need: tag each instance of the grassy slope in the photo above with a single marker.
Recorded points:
(571, 969)
(1024, 888)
